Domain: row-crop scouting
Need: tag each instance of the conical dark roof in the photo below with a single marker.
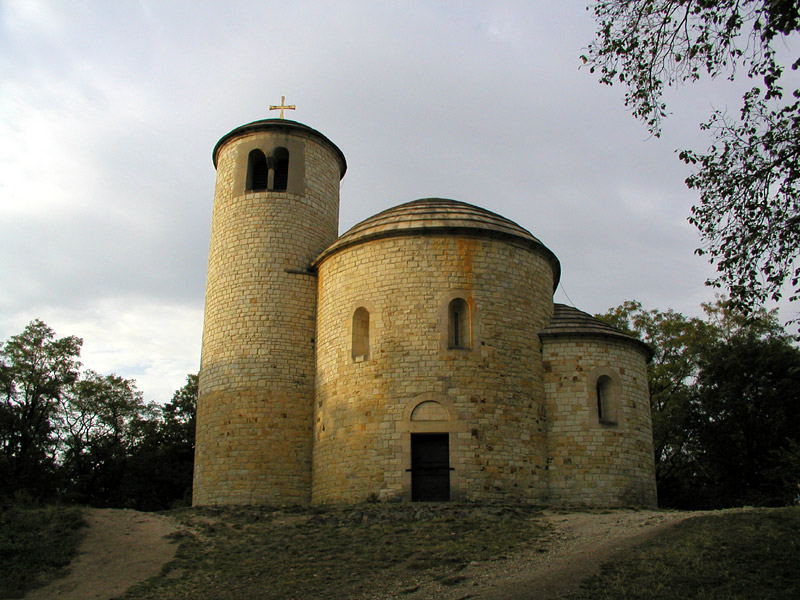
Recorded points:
(436, 216)
(569, 321)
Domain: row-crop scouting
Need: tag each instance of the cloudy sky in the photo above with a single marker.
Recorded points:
(109, 112)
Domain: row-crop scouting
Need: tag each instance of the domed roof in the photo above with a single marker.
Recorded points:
(284, 126)
(439, 216)
(569, 321)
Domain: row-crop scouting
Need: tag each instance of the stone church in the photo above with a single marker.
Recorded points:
(417, 357)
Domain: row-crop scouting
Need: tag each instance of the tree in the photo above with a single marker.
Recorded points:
(36, 370)
(100, 430)
(725, 399)
(162, 464)
(749, 397)
(748, 213)
(180, 412)
(117, 451)
(85, 437)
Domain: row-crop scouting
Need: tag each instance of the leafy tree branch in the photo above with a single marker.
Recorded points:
(748, 213)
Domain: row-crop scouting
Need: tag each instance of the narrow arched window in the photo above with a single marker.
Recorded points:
(281, 162)
(257, 171)
(606, 403)
(361, 334)
(459, 328)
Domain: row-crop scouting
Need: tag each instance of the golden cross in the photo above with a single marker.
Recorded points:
(282, 106)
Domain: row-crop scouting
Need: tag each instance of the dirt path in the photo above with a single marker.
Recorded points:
(579, 542)
(122, 547)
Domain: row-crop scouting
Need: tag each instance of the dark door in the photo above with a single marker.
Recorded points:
(430, 467)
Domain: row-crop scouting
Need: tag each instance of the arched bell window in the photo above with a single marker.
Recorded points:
(257, 171)
(281, 161)
(267, 173)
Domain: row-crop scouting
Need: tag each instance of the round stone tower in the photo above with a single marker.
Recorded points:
(276, 207)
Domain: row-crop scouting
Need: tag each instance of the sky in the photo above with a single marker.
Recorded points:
(109, 112)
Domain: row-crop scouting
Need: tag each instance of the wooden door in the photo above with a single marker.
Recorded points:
(430, 467)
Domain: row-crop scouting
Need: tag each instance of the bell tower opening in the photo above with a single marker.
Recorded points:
(257, 171)
(281, 160)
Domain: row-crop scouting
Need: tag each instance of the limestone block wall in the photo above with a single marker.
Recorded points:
(256, 386)
(594, 460)
(489, 398)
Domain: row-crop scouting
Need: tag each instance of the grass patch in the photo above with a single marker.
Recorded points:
(35, 545)
(730, 556)
(328, 552)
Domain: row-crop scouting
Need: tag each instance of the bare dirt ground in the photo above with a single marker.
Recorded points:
(124, 547)
(121, 548)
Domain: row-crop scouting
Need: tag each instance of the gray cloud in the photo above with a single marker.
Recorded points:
(109, 112)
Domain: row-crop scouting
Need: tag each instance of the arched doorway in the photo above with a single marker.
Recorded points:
(431, 449)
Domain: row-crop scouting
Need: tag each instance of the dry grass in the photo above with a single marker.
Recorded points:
(730, 556)
(35, 545)
(333, 552)
(326, 552)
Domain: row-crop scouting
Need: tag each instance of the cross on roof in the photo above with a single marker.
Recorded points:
(282, 106)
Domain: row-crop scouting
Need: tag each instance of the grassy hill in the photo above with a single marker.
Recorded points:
(731, 556)
(328, 552)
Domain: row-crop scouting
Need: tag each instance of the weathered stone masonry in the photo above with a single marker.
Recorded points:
(257, 365)
(330, 365)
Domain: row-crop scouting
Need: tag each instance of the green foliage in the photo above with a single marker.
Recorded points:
(86, 437)
(35, 543)
(162, 464)
(36, 371)
(725, 400)
(748, 213)
(749, 398)
(124, 453)
(734, 556)
(99, 434)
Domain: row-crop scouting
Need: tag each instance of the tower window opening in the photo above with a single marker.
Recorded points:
(257, 171)
(606, 404)
(600, 411)
(281, 162)
(459, 326)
